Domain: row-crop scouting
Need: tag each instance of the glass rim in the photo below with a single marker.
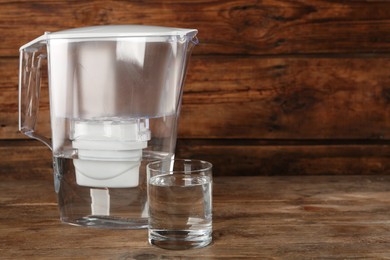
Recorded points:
(207, 166)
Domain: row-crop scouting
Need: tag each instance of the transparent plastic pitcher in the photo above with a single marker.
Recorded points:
(115, 95)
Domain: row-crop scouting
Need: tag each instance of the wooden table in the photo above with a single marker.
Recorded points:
(294, 217)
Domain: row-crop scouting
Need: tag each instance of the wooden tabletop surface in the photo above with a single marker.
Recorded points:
(276, 217)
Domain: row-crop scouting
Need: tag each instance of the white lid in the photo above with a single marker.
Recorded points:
(112, 31)
(121, 31)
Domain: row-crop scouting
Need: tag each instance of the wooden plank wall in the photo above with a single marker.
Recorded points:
(275, 86)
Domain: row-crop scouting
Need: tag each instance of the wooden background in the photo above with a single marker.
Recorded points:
(276, 87)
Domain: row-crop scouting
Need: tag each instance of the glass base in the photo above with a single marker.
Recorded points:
(108, 222)
(180, 239)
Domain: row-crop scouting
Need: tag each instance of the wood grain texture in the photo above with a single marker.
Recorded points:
(226, 27)
(266, 98)
(29, 160)
(275, 87)
(249, 158)
(286, 217)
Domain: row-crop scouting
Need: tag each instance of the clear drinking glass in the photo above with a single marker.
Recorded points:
(180, 203)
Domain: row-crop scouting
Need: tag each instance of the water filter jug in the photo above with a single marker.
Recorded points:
(115, 95)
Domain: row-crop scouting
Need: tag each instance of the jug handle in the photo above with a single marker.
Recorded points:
(30, 61)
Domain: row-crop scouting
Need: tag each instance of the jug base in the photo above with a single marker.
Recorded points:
(105, 208)
(107, 222)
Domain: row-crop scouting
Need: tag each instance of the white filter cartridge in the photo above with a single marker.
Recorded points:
(109, 152)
